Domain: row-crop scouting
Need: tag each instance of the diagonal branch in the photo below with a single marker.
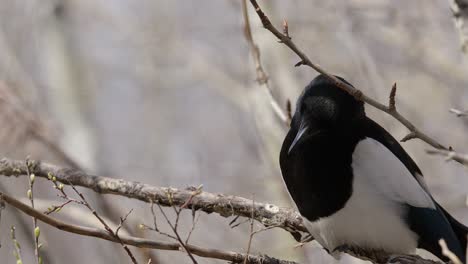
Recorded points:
(262, 77)
(358, 94)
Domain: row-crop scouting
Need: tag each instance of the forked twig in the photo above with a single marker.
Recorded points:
(358, 94)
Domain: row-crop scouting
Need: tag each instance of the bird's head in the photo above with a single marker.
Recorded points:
(324, 108)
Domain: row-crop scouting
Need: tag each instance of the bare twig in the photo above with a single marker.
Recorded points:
(138, 242)
(194, 223)
(391, 98)
(122, 221)
(176, 233)
(249, 244)
(262, 77)
(448, 253)
(458, 113)
(286, 40)
(106, 226)
(450, 155)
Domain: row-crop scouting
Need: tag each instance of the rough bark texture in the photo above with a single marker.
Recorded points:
(224, 205)
(191, 198)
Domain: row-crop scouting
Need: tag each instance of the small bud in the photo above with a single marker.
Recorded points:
(19, 261)
(32, 177)
(17, 244)
(37, 232)
(29, 194)
(141, 226)
(54, 179)
(12, 232)
(39, 246)
(58, 209)
(49, 176)
(60, 187)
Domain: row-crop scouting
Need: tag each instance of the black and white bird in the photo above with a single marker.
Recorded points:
(353, 183)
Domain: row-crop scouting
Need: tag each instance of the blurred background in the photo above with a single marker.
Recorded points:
(164, 92)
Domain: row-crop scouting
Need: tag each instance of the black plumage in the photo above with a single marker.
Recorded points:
(354, 184)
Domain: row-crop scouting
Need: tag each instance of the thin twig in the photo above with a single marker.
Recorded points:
(176, 233)
(249, 244)
(448, 253)
(458, 113)
(136, 241)
(30, 193)
(106, 226)
(195, 219)
(450, 155)
(262, 77)
(122, 221)
(286, 40)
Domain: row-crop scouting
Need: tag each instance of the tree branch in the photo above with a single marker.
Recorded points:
(391, 110)
(450, 155)
(225, 205)
(139, 242)
(262, 77)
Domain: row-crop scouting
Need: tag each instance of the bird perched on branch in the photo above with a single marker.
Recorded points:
(353, 183)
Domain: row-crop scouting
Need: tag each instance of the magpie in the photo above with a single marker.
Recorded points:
(353, 183)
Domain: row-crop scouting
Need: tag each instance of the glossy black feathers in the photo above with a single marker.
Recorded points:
(327, 125)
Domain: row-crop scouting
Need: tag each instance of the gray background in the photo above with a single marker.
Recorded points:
(163, 92)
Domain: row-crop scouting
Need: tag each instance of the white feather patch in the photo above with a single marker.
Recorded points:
(373, 217)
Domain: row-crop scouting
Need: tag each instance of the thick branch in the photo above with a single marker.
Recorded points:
(139, 242)
(224, 205)
(286, 40)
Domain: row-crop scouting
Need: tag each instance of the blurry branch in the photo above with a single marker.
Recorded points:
(10, 104)
(14, 109)
(450, 155)
(139, 242)
(460, 16)
(390, 109)
(458, 113)
(224, 205)
(262, 77)
(271, 216)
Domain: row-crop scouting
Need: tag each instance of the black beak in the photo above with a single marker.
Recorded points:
(304, 132)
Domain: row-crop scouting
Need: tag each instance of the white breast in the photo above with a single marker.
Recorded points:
(372, 217)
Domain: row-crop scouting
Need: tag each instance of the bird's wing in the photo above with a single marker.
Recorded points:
(388, 168)
(402, 180)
